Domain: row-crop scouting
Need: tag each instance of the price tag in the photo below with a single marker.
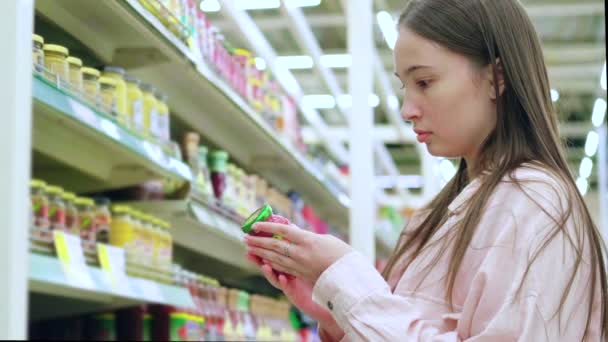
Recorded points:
(71, 256)
(83, 112)
(112, 260)
(110, 129)
(150, 290)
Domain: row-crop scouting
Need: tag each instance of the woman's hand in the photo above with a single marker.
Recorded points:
(300, 253)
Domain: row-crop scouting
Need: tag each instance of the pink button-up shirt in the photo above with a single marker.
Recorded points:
(487, 306)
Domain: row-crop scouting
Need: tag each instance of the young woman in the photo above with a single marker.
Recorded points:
(507, 250)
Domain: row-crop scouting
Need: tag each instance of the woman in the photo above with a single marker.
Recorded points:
(507, 250)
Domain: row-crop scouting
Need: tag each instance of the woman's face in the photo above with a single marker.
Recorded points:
(448, 99)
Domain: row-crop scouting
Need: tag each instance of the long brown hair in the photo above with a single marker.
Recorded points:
(499, 33)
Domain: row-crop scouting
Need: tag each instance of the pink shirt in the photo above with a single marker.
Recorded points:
(485, 305)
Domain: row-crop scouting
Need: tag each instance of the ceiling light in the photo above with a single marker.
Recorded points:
(393, 102)
(603, 78)
(210, 6)
(388, 27)
(260, 63)
(554, 95)
(582, 185)
(337, 61)
(295, 62)
(318, 101)
(586, 167)
(592, 143)
(599, 112)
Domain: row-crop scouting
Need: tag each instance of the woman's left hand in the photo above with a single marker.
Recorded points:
(300, 253)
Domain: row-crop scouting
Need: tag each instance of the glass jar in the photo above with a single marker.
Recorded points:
(135, 99)
(40, 204)
(75, 70)
(90, 84)
(217, 164)
(71, 213)
(118, 75)
(138, 237)
(38, 52)
(107, 93)
(55, 61)
(121, 230)
(156, 243)
(103, 220)
(86, 222)
(148, 239)
(162, 111)
(56, 208)
(150, 119)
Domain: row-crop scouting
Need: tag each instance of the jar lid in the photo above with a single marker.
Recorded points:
(90, 71)
(56, 48)
(54, 189)
(75, 61)
(260, 215)
(148, 88)
(37, 38)
(242, 52)
(36, 183)
(84, 201)
(132, 79)
(120, 209)
(107, 81)
(68, 196)
(114, 70)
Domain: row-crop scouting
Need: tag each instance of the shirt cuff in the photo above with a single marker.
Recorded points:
(345, 283)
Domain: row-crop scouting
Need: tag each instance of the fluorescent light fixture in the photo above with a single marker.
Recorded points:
(400, 182)
(393, 102)
(318, 101)
(599, 112)
(586, 167)
(603, 78)
(345, 101)
(554, 95)
(257, 4)
(210, 6)
(592, 143)
(302, 3)
(446, 169)
(582, 185)
(260, 63)
(388, 27)
(337, 61)
(295, 62)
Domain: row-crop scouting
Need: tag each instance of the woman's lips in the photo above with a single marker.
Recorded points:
(422, 136)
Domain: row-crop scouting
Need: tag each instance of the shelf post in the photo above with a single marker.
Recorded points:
(361, 122)
(15, 156)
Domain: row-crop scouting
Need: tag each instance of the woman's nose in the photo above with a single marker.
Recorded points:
(409, 111)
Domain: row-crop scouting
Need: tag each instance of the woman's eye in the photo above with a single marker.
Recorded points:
(423, 84)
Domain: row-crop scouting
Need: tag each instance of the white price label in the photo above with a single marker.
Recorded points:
(70, 254)
(112, 260)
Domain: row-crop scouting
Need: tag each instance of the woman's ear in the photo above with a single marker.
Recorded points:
(496, 77)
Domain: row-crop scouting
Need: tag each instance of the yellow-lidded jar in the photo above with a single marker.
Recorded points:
(107, 95)
(38, 52)
(75, 70)
(150, 112)
(163, 116)
(55, 60)
(118, 74)
(90, 84)
(121, 228)
(148, 237)
(135, 103)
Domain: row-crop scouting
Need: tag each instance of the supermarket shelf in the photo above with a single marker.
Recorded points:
(47, 277)
(123, 33)
(70, 132)
(203, 231)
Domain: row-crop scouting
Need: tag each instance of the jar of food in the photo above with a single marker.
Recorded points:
(40, 204)
(135, 103)
(38, 52)
(150, 122)
(103, 220)
(86, 222)
(138, 238)
(56, 208)
(148, 238)
(75, 70)
(90, 84)
(168, 246)
(71, 213)
(107, 92)
(118, 75)
(242, 58)
(162, 111)
(217, 164)
(121, 229)
(55, 61)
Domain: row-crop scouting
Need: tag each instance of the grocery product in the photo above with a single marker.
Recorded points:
(74, 67)
(150, 118)
(118, 75)
(90, 84)
(40, 204)
(163, 121)
(263, 214)
(107, 94)
(38, 52)
(55, 60)
(103, 220)
(71, 213)
(102, 327)
(135, 104)
(217, 165)
(203, 178)
(56, 208)
(121, 229)
(86, 221)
